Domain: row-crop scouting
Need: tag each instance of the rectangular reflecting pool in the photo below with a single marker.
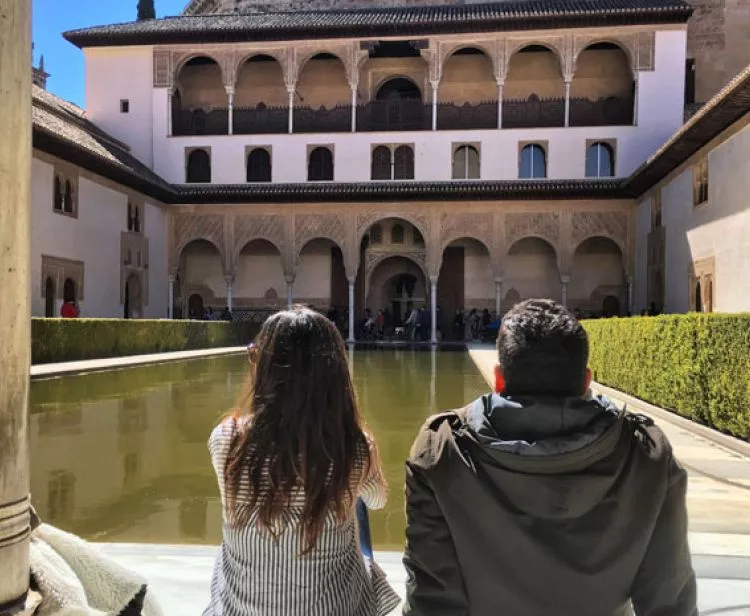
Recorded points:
(121, 456)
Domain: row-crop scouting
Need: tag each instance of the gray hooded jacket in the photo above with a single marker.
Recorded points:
(546, 507)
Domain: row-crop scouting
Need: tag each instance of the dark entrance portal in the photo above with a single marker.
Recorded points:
(450, 290)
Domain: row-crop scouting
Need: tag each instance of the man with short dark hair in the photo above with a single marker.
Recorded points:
(539, 500)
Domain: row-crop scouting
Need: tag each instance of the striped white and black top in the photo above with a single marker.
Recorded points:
(259, 575)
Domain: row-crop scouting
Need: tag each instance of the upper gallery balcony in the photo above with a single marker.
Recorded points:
(395, 90)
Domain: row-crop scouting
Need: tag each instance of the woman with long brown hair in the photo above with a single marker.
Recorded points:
(291, 462)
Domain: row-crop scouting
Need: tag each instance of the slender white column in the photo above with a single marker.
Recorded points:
(170, 299)
(435, 85)
(635, 99)
(230, 99)
(291, 90)
(354, 108)
(289, 292)
(351, 310)
(229, 282)
(498, 295)
(15, 183)
(567, 102)
(564, 281)
(500, 104)
(433, 308)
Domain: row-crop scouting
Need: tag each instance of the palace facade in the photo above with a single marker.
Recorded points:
(461, 156)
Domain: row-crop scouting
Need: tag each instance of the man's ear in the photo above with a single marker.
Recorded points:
(587, 381)
(499, 380)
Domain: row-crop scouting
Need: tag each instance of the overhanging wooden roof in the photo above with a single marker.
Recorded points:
(730, 105)
(389, 21)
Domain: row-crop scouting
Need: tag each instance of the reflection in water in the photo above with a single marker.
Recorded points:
(121, 456)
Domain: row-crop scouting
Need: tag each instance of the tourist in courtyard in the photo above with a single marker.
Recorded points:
(291, 461)
(69, 310)
(458, 325)
(540, 499)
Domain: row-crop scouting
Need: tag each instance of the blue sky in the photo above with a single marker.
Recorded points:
(64, 61)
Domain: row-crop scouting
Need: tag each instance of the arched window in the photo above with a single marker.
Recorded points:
(466, 163)
(198, 167)
(259, 166)
(403, 163)
(698, 297)
(68, 198)
(69, 290)
(398, 89)
(320, 165)
(600, 161)
(376, 234)
(397, 234)
(418, 239)
(58, 196)
(381, 163)
(533, 163)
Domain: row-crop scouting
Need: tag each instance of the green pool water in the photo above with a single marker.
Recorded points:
(121, 456)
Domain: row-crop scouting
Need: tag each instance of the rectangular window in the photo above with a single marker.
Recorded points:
(124, 105)
(700, 182)
(690, 81)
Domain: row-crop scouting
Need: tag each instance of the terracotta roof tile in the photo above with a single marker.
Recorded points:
(62, 129)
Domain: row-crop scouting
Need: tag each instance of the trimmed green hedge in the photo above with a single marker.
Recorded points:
(59, 340)
(697, 365)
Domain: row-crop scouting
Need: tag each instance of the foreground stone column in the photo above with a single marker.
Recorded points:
(351, 311)
(15, 184)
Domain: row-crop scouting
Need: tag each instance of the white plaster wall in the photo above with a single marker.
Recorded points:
(155, 229)
(119, 73)
(642, 230)
(719, 228)
(94, 238)
(660, 104)
(677, 212)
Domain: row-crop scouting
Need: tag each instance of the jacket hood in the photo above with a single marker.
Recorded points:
(551, 457)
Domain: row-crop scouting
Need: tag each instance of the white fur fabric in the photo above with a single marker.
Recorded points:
(76, 580)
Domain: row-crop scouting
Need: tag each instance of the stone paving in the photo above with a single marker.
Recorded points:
(718, 503)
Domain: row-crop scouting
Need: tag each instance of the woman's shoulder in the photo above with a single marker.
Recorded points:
(221, 436)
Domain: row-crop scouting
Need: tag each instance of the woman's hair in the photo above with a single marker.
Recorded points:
(303, 427)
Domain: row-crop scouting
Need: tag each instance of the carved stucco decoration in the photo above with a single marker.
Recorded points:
(420, 220)
(374, 257)
(307, 227)
(190, 227)
(556, 44)
(544, 225)
(163, 76)
(224, 57)
(446, 49)
(242, 55)
(349, 53)
(269, 227)
(474, 225)
(612, 225)
(627, 42)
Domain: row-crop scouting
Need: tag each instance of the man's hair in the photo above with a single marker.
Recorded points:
(542, 349)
